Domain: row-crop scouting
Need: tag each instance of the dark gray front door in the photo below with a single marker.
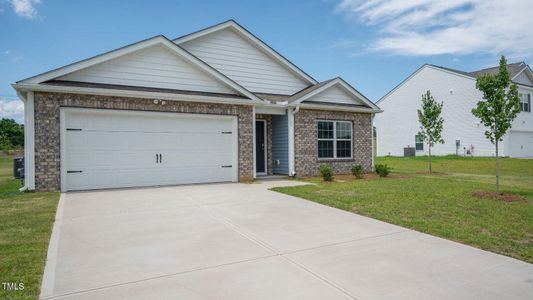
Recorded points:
(260, 147)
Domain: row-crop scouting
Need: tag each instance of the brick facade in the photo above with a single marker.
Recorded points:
(268, 119)
(47, 129)
(305, 140)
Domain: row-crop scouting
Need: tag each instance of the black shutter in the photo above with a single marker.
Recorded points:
(528, 102)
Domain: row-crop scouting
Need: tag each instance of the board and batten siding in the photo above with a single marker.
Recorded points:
(335, 94)
(238, 59)
(155, 67)
(398, 124)
(280, 144)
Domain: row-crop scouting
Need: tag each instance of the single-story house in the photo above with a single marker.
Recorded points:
(215, 105)
(397, 127)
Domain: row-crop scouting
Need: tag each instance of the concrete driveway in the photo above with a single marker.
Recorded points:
(242, 241)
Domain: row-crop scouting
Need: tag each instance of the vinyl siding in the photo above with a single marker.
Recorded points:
(238, 59)
(280, 144)
(154, 67)
(523, 78)
(335, 94)
(524, 119)
(398, 124)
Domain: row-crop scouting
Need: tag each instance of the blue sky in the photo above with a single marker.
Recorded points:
(372, 44)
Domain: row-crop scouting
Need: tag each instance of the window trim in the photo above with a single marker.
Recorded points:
(334, 140)
(525, 99)
(421, 142)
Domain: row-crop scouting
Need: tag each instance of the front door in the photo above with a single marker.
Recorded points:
(260, 145)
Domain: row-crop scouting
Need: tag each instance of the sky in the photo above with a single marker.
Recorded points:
(373, 45)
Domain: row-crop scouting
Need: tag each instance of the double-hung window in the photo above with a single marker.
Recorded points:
(525, 102)
(334, 139)
(419, 142)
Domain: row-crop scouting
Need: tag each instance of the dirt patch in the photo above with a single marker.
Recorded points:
(506, 197)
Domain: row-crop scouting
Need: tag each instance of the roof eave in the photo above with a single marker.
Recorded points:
(25, 87)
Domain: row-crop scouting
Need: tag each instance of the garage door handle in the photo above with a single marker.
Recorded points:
(156, 158)
(160, 158)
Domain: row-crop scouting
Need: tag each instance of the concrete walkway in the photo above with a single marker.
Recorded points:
(242, 241)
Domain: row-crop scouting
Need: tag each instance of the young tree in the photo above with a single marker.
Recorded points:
(430, 122)
(499, 107)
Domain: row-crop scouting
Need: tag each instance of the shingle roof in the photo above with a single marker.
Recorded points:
(273, 97)
(513, 69)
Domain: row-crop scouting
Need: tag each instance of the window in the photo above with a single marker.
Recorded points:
(419, 142)
(525, 102)
(334, 139)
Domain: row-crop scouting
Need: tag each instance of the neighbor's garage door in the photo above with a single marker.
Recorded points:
(113, 149)
(521, 144)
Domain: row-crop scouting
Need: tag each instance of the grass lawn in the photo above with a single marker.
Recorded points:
(25, 226)
(442, 204)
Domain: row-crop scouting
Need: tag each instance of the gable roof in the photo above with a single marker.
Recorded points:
(156, 40)
(257, 42)
(309, 92)
(514, 69)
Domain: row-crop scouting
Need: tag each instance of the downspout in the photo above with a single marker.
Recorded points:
(291, 112)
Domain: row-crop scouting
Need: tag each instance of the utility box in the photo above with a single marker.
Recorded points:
(408, 151)
(18, 167)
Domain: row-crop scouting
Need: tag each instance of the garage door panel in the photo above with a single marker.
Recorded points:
(521, 144)
(196, 158)
(118, 149)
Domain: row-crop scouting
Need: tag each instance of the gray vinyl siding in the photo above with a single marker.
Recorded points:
(280, 144)
(240, 60)
(155, 67)
(523, 78)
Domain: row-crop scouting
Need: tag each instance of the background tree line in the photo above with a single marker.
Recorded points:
(11, 135)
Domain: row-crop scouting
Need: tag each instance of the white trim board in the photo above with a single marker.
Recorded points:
(130, 93)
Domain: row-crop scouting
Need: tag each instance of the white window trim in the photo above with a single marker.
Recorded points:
(524, 99)
(422, 142)
(334, 139)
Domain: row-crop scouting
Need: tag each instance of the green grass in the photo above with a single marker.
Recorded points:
(442, 205)
(26, 221)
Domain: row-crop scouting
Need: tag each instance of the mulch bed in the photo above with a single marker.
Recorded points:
(367, 176)
(506, 197)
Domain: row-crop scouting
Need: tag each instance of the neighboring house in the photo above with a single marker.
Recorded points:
(212, 106)
(463, 134)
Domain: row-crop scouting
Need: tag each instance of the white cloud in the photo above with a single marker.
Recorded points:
(12, 109)
(25, 8)
(7, 52)
(433, 27)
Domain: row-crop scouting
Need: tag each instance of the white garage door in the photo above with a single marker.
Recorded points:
(114, 149)
(521, 144)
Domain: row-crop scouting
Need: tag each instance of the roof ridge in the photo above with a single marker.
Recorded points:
(509, 64)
